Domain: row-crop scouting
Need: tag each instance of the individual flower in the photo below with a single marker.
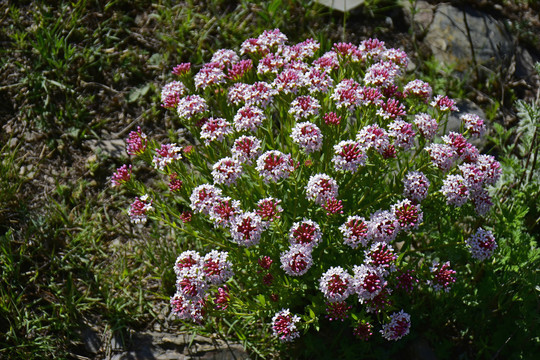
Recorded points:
(442, 156)
(407, 214)
(297, 260)
(391, 109)
(122, 175)
(166, 155)
(338, 310)
(226, 171)
(416, 186)
(274, 165)
(215, 129)
(381, 255)
(320, 188)
(190, 106)
(336, 284)
(137, 142)
(188, 309)
(474, 124)
(246, 229)
(269, 209)
(284, 325)
(482, 244)
(210, 74)
(372, 136)
(185, 261)
(427, 126)
(216, 267)
(443, 276)
(224, 211)
(308, 136)
(345, 94)
(306, 232)
(171, 94)
(181, 69)
(455, 190)
(248, 118)
(139, 208)
(418, 89)
(203, 198)
(175, 184)
(402, 133)
(348, 156)
(304, 106)
(444, 103)
(246, 149)
(368, 281)
(383, 226)
(354, 231)
(398, 327)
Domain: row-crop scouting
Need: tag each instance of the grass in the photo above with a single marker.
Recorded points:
(88, 70)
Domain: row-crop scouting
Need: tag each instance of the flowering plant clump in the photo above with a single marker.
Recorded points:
(319, 186)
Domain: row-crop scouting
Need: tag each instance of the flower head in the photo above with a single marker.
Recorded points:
(246, 149)
(274, 165)
(139, 208)
(308, 136)
(427, 126)
(216, 267)
(284, 325)
(137, 142)
(444, 103)
(383, 226)
(248, 118)
(203, 198)
(304, 106)
(171, 94)
(122, 175)
(416, 186)
(336, 284)
(355, 231)
(482, 244)
(297, 260)
(226, 171)
(320, 188)
(368, 281)
(269, 209)
(166, 155)
(398, 327)
(348, 156)
(246, 229)
(190, 106)
(443, 276)
(408, 214)
(306, 233)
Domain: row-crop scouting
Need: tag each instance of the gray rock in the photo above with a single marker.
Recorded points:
(90, 338)
(110, 148)
(462, 37)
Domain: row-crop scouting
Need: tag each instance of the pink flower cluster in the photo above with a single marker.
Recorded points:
(194, 276)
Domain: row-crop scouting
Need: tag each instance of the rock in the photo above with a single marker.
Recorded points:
(115, 148)
(90, 338)
(468, 37)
